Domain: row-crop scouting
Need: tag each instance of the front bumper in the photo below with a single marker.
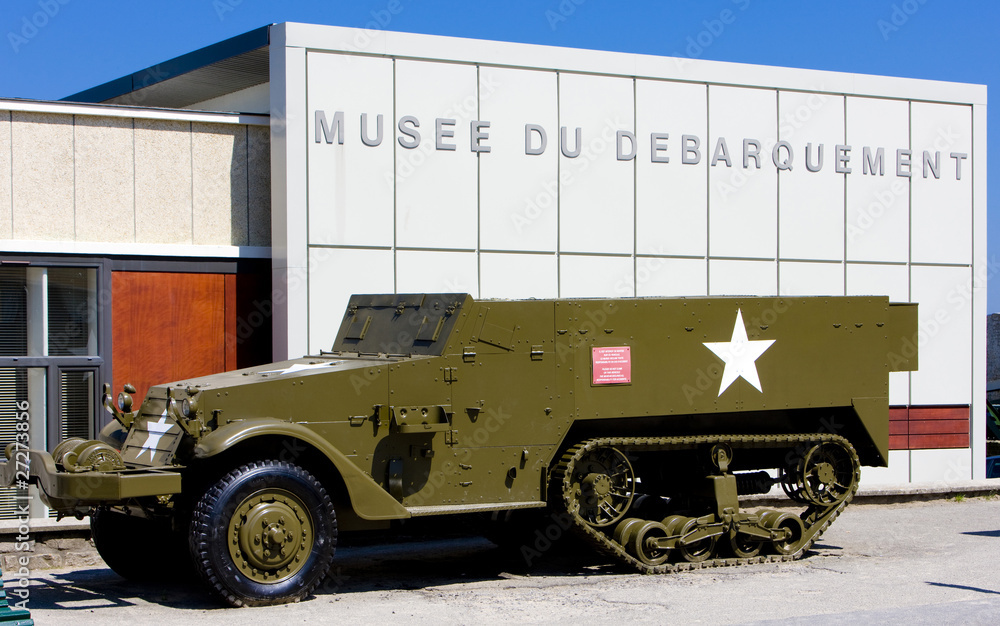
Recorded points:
(74, 492)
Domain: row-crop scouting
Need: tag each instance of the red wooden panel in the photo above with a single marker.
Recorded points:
(928, 427)
(898, 442)
(231, 338)
(939, 413)
(939, 427)
(166, 327)
(898, 428)
(923, 442)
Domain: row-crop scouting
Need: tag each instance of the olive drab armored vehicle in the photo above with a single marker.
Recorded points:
(640, 422)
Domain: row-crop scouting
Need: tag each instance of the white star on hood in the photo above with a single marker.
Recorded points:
(156, 431)
(298, 367)
(740, 355)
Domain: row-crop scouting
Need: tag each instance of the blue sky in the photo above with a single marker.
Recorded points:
(53, 48)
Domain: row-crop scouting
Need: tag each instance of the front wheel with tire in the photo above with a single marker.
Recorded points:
(265, 533)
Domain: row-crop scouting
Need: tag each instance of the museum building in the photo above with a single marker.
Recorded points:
(215, 211)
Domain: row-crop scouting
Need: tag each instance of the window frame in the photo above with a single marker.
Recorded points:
(99, 363)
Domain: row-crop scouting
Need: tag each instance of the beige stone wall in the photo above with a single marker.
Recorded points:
(42, 189)
(259, 179)
(6, 218)
(131, 180)
(105, 179)
(215, 185)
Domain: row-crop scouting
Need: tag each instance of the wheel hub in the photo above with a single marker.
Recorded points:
(597, 485)
(270, 535)
(603, 487)
(825, 473)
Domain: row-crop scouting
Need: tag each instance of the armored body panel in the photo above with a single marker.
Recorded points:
(643, 420)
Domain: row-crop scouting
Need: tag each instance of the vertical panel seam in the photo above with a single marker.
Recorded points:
(246, 166)
(479, 197)
(635, 188)
(777, 198)
(73, 145)
(845, 202)
(308, 198)
(395, 188)
(10, 116)
(909, 243)
(191, 165)
(972, 271)
(909, 266)
(135, 208)
(708, 193)
(558, 184)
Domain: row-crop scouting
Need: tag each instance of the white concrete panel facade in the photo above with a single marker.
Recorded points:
(898, 471)
(811, 204)
(518, 275)
(436, 187)
(742, 199)
(596, 189)
(878, 202)
(334, 274)
(810, 279)
(942, 183)
(664, 198)
(670, 219)
(741, 277)
(595, 276)
(939, 465)
(945, 336)
(519, 196)
(352, 188)
(657, 276)
(422, 271)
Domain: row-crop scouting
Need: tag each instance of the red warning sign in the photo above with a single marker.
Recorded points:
(612, 365)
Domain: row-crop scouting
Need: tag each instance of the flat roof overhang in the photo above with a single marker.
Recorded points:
(216, 70)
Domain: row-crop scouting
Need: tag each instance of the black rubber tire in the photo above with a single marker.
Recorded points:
(139, 549)
(210, 524)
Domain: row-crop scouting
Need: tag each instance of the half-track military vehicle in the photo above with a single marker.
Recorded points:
(641, 422)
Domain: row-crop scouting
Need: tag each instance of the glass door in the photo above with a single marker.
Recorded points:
(50, 359)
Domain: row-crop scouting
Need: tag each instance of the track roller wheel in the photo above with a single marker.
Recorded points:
(744, 546)
(674, 524)
(699, 550)
(644, 544)
(773, 520)
(625, 532)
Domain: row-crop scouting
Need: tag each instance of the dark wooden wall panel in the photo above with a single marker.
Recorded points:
(934, 442)
(231, 319)
(166, 327)
(928, 427)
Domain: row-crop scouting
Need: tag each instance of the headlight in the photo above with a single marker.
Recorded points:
(125, 402)
(189, 407)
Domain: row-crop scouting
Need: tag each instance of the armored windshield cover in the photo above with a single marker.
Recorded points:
(399, 323)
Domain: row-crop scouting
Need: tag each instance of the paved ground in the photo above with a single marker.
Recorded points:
(917, 563)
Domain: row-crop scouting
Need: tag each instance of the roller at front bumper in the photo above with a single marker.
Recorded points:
(75, 492)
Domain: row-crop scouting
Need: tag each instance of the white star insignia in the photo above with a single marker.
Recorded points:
(740, 355)
(298, 367)
(156, 431)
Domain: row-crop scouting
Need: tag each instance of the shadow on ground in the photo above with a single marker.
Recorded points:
(362, 564)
